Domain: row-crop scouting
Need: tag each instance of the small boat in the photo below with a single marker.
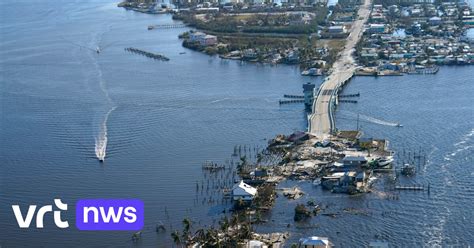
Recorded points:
(312, 72)
(182, 53)
(101, 160)
(317, 182)
(97, 50)
(399, 125)
(384, 162)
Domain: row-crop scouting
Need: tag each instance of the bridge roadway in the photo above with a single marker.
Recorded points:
(321, 122)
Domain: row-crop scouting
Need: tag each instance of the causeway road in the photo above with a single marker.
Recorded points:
(321, 121)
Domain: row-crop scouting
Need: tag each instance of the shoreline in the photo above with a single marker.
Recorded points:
(294, 193)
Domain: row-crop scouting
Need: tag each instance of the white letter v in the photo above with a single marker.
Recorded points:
(24, 223)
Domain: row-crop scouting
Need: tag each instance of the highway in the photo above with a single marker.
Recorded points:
(321, 121)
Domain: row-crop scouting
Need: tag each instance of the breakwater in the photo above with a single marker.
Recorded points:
(147, 54)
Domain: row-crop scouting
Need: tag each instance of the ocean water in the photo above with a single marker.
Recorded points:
(62, 104)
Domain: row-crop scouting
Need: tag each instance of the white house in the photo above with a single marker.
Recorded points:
(337, 29)
(255, 244)
(315, 242)
(243, 191)
(203, 39)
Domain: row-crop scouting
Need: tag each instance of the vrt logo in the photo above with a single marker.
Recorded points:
(91, 214)
(25, 222)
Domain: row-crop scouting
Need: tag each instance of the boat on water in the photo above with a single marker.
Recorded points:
(312, 72)
(317, 182)
(399, 125)
(383, 163)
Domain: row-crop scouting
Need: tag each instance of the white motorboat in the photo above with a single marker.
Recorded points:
(384, 162)
(317, 182)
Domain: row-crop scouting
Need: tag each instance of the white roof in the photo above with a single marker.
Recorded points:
(255, 244)
(244, 187)
(198, 34)
(338, 174)
(315, 241)
(377, 25)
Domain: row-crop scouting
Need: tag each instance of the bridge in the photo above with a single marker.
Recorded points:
(321, 122)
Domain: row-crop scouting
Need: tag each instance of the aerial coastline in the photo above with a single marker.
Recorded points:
(238, 123)
(398, 39)
(340, 161)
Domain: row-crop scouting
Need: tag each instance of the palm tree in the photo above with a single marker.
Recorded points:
(245, 231)
(187, 225)
(234, 220)
(186, 229)
(224, 224)
(212, 238)
(200, 235)
(176, 238)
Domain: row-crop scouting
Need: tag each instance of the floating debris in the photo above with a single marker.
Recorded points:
(408, 170)
(292, 193)
(136, 236)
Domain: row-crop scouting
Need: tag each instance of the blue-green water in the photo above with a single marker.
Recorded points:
(59, 99)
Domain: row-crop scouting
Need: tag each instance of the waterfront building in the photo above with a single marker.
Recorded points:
(255, 244)
(203, 39)
(468, 20)
(249, 54)
(315, 242)
(243, 191)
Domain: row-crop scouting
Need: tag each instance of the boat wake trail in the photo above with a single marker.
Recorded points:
(101, 135)
(371, 119)
(220, 100)
(101, 139)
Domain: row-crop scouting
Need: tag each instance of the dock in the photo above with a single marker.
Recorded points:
(427, 70)
(350, 95)
(166, 26)
(293, 96)
(409, 187)
(348, 101)
(291, 101)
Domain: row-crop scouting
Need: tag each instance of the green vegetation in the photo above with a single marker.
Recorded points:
(278, 23)
(230, 233)
(301, 212)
